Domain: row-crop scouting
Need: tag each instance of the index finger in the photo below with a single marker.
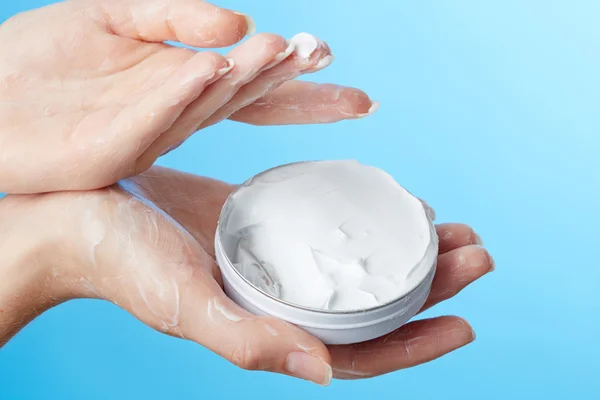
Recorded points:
(192, 22)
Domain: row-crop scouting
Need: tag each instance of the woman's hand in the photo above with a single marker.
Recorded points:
(91, 94)
(146, 244)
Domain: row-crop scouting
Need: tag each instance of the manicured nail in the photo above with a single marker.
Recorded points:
(171, 148)
(492, 264)
(374, 107)
(222, 71)
(428, 210)
(323, 63)
(308, 367)
(280, 57)
(478, 240)
(286, 53)
(229, 67)
(249, 23)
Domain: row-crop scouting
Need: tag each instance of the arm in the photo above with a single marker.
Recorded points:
(26, 288)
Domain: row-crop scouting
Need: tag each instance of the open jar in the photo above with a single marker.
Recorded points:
(337, 248)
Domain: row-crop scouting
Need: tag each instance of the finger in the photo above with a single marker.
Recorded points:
(456, 270)
(305, 54)
(250, 342)
(452, 236)
(163, 277)
(428, 210)
(137, 126)
(249, 58)
(413, 344)
(298, 102)
(192, 22)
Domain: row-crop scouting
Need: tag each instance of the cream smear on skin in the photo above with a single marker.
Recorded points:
(330, 235)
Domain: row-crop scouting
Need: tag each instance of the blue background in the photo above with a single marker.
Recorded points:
(499, 104)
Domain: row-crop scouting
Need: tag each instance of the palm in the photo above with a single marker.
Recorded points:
(102, 96)
(197, 205)
(157, 261)
(70, 87)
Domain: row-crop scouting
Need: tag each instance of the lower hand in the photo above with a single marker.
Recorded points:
(146, 244)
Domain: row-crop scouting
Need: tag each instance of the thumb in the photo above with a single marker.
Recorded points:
(192, 22)
(249, 341)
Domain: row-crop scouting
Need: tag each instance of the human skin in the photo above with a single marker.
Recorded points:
(90, 93)
(146, 244)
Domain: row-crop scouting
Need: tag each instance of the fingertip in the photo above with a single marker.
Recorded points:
(271, 42)
(357, 103)
(232, 27)
(305, 366)
(205, 63)
(455, 235)
(250, 25)
(449, 333)
(215, 59)
(463, 327)
(428, 210)
(223, 28)
(142, 164)
(477, 257)
(374, 106)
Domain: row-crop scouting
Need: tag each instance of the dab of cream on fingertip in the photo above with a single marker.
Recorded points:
(306, 44)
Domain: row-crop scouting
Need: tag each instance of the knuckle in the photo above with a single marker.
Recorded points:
(244, 357)
(273, 42)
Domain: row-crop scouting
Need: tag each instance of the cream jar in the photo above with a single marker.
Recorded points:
(337, 248)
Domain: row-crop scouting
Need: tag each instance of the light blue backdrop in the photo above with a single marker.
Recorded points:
(499, 104)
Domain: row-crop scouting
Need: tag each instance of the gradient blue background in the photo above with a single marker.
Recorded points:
(499, 105)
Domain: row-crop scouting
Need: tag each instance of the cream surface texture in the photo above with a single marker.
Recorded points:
(329, 235)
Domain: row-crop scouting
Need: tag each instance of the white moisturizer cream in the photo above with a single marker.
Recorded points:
(331, 236)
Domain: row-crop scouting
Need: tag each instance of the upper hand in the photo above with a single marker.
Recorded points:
(147, 245)
(90, 93)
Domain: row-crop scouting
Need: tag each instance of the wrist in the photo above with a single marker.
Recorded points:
(25, 287)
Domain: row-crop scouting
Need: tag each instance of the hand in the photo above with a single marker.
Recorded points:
(90, 94)
(147, 245)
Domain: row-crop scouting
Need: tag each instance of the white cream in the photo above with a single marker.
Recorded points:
(305, 44)
(329, 235)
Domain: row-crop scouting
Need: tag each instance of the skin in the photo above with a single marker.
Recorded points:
(146, 244)
(95, 86)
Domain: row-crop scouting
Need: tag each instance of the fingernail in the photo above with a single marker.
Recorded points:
(429, 211)
(280, 57)
(492, 264)
(478, 240)
(323, 63)
(286, 53)
(171, 148)
(374, 107)
(222, 71)
(229, 67)
(308, 367)
(249, 23)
